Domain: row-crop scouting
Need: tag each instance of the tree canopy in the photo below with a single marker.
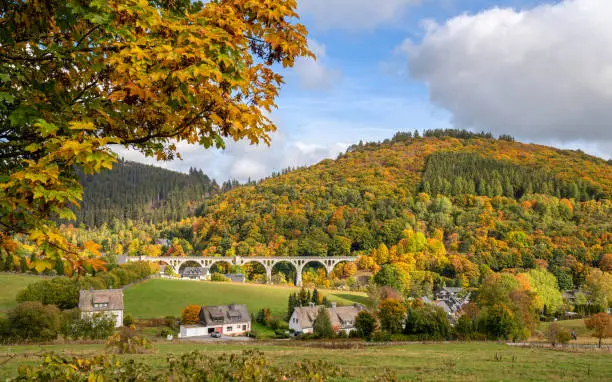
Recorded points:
(78, 75)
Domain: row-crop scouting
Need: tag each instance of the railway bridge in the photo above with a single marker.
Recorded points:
(268, 262)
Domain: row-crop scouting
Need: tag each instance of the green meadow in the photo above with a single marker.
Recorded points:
(162, 297)
(10, 285)
(476, 361)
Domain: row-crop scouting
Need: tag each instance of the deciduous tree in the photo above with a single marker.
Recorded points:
(78, 76)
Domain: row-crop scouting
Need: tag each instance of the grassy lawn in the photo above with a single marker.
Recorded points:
(160, 298)
(430, 362)
(10, 285)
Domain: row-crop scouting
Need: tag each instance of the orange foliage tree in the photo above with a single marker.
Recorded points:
(191, 314)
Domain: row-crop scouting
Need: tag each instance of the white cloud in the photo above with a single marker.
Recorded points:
(243, 161)
(543, 74)
(354, 14)
(314, 74)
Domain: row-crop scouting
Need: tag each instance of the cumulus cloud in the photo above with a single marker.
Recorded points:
(543, 74)
(243, 161)
(314, 74)
(354, 14)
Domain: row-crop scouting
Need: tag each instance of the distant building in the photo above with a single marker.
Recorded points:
(105, 301)
(230, 320)
(194, 273)
(236, 277)
(342, 317)
(450, 299)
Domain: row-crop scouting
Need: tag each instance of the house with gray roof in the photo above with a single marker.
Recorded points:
(230, 320)
(342, 317)
(104, 301)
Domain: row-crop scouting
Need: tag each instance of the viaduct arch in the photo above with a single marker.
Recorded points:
(268, 262)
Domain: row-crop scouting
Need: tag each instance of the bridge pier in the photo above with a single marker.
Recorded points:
(268, 263)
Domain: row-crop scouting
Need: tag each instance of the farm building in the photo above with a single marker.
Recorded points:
(105, 301)
(229, 320)
(342, 317)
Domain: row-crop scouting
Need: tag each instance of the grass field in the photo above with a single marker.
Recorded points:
(10, 285)
(427, 362)
(160, 298)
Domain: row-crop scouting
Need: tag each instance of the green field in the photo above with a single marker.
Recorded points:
(160, 298)
(10, 285)
(440, 362)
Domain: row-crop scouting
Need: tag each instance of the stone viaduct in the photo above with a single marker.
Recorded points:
(268, 262)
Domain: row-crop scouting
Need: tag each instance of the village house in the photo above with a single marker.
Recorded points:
(342, 317)
(450, 299)
(105, 301)
(229, 320)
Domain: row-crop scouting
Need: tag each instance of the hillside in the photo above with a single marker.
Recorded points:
(504, 203)
(141, 193)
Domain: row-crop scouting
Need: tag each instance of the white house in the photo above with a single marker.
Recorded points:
(342, 317)
(105, 301)
(229, 320)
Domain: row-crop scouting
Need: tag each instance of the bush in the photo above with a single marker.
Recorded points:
(33, 321)
(128, 320)
(250, 365)
(96, 327)
(557, 334)
(380, 336)
(60, 291)
(428, 322)
(127, 342)
(218, 277)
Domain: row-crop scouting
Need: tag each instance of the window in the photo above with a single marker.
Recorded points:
(229, 329)
(101, 305)
(244, 327)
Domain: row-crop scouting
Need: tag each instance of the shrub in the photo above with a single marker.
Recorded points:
(34, 321)
(428, 322)
(250, 365)
(60, 291)
(380, 336)
(127, 342)
(557, 334)
(218, 277)
(128, 320)
(96, 327)
(264, 316)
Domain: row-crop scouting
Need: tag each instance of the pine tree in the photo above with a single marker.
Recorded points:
(315, 297)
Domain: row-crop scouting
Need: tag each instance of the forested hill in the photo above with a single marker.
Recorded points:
(142, 193)
(493, 201)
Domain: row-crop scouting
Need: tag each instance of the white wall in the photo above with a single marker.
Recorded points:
(118, 315)
(197, 330)
(193, 331)
(296, 326)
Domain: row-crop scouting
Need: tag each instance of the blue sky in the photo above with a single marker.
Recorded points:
(539, 70)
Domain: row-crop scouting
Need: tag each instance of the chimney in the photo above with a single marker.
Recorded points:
(333, 304)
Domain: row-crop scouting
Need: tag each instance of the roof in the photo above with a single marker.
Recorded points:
(340, 316)
(89, 298)
(453, 289)
(224, 314)
(444, 305)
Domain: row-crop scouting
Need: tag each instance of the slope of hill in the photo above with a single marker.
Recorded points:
(141, 193)
(504, 203)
